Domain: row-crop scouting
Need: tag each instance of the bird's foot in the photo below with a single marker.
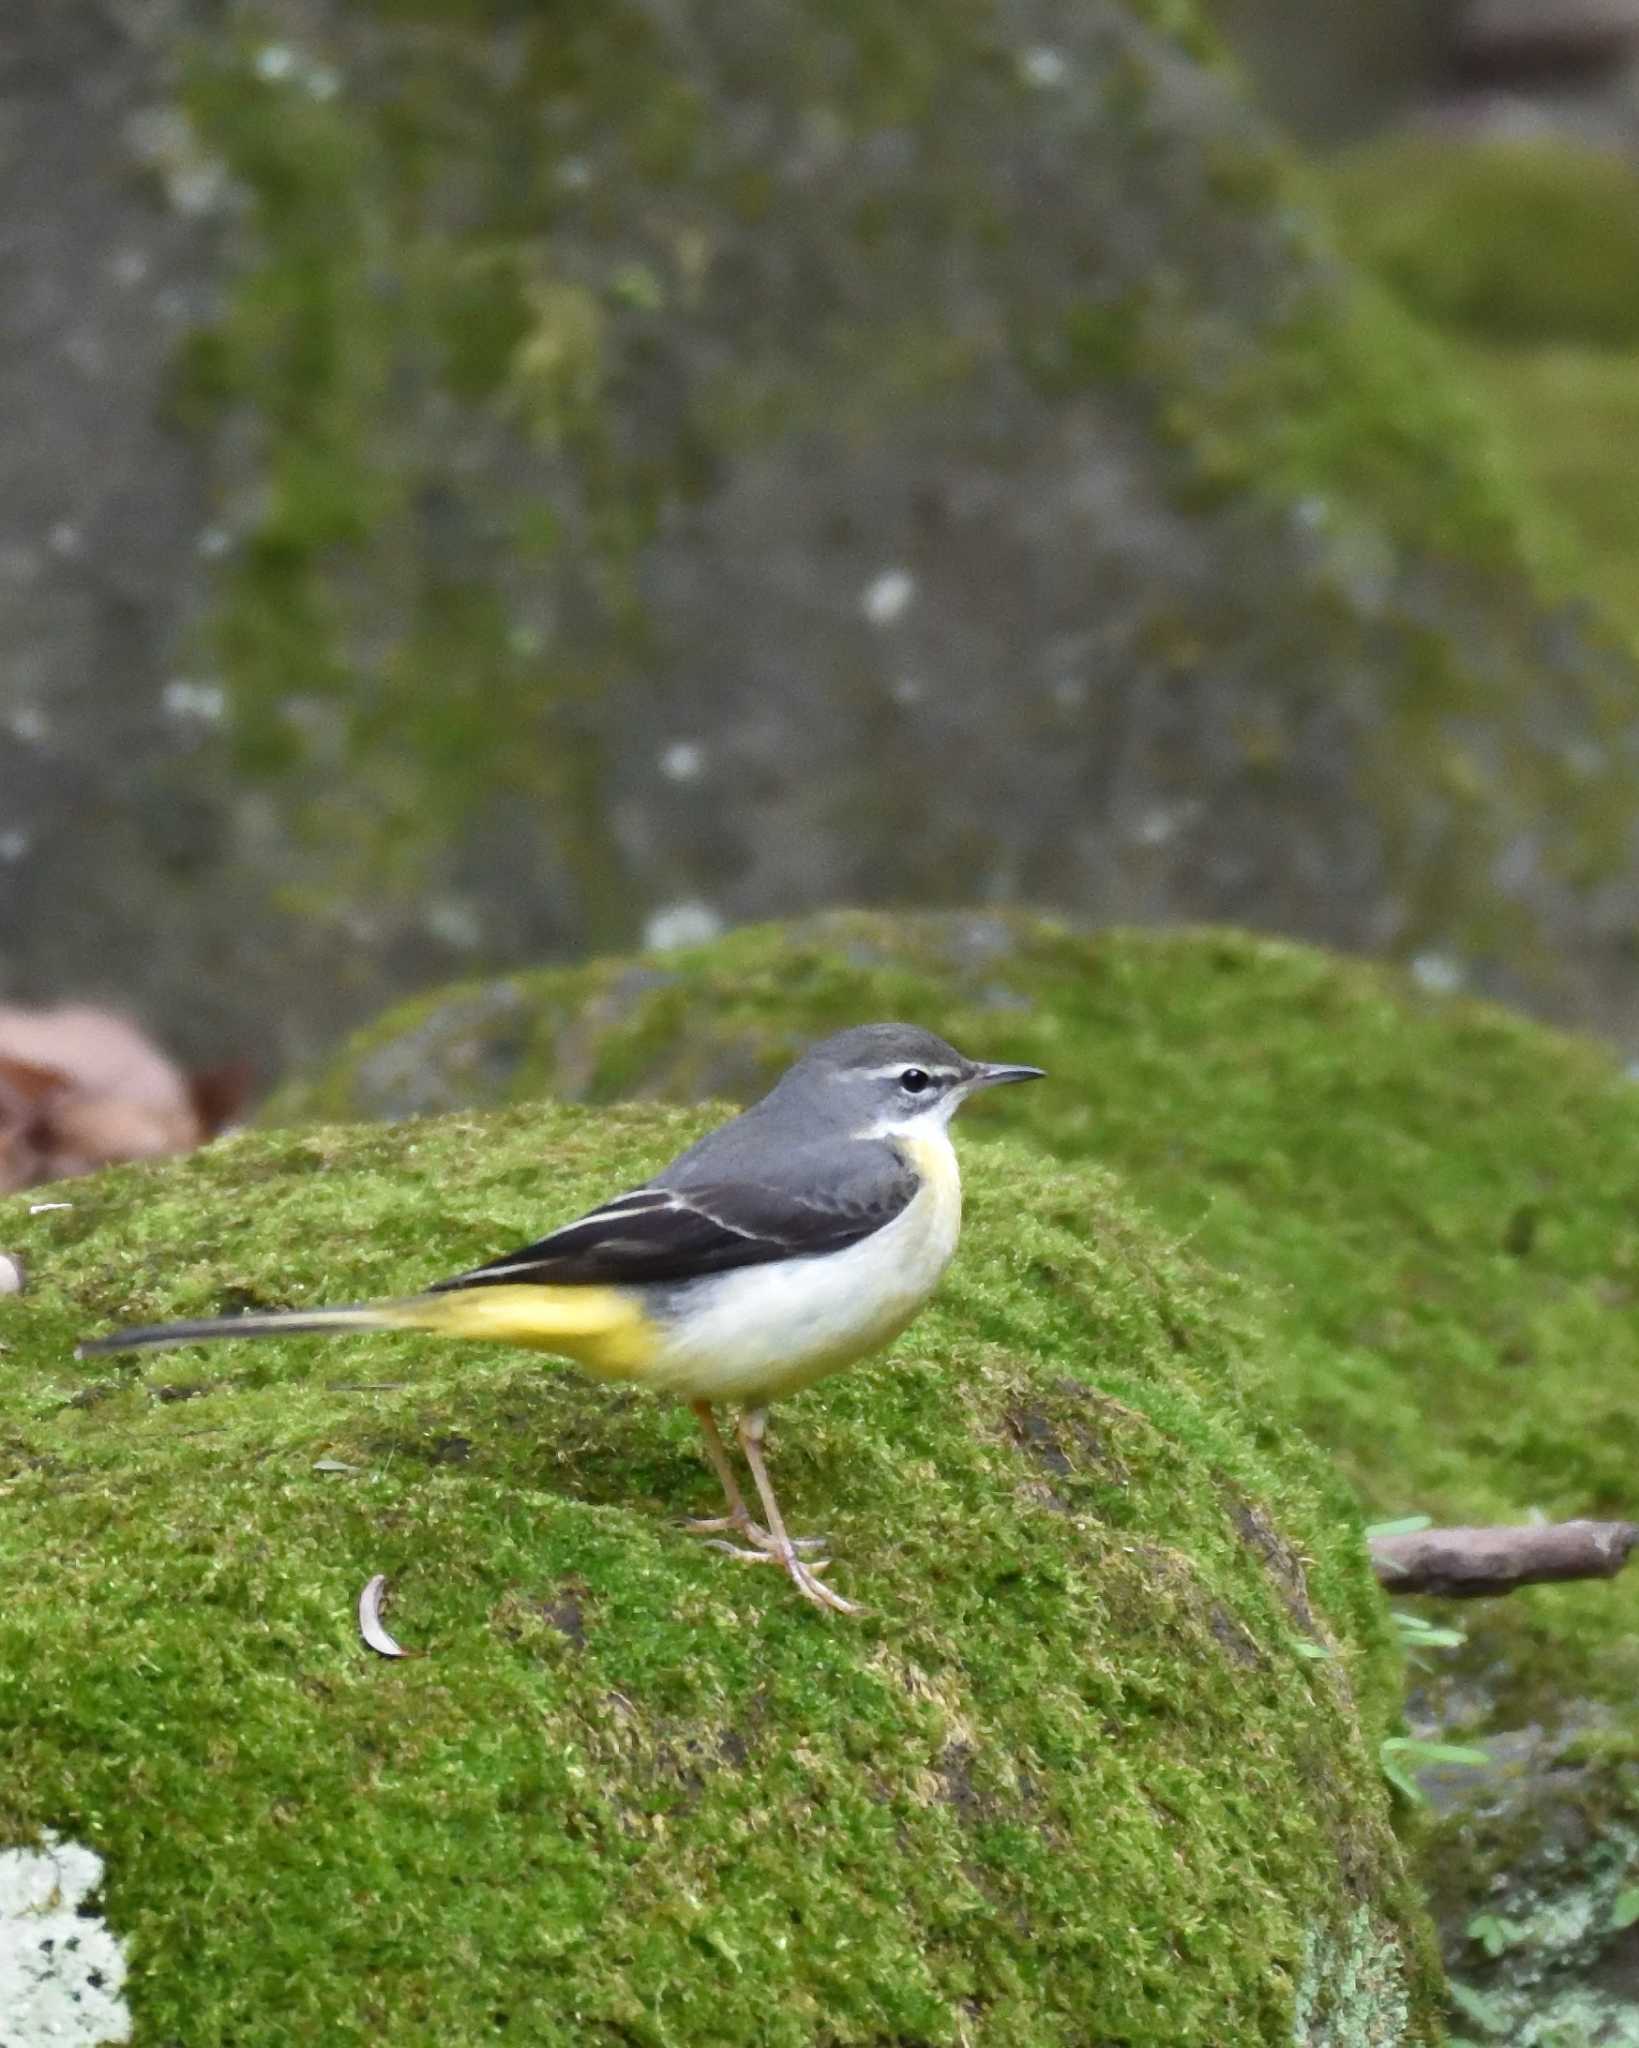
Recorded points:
(749, 1531)
(768, 1554)
(804, 1573)
(713, 1525)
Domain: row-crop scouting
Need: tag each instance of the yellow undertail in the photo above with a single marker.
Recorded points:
(600, 1328)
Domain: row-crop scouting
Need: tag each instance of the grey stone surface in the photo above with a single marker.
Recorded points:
(477, 489)
(100, 505)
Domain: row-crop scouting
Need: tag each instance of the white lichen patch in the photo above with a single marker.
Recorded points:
(1351, 1992)
(888, 597)
(187, 697)
(61, 1969)
(681, 924)
(1043, 67)
(1437, 974)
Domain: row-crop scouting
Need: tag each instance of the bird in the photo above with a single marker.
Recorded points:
(798, 1238)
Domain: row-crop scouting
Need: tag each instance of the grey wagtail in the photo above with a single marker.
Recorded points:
(794, 1240)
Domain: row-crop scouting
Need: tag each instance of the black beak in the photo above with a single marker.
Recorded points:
(995, 1077)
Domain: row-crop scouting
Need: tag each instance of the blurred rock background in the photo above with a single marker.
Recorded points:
(484, 483)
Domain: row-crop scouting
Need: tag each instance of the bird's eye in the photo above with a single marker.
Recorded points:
(913, 1081)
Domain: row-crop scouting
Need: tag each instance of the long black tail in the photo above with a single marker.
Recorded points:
(277, 1323)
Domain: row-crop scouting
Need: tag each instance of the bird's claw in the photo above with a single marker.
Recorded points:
(753, 1532)
(804, 1573)
(804, 1578)
(771, 1555)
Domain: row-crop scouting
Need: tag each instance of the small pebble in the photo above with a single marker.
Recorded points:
(13, 1277)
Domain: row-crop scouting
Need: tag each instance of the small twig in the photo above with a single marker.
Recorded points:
(1464, 1563)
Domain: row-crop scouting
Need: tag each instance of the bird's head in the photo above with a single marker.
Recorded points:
(881, 1078)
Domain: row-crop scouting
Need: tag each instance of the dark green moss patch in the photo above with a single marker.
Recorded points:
(1571, 414)
(1519, 243)
(1527, 256)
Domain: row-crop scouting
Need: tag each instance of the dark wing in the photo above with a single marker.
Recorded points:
(817, 1201)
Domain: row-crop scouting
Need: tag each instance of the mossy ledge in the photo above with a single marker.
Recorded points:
(1099, 1765)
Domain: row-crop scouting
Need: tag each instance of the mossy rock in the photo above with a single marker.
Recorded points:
(1436, 1196)
(1101, 1763)
(720, 465)
(1541, 1843)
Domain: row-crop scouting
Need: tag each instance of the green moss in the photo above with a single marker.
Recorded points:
(1368, 432)
(358, 289)
(1537, 374)
(1571, 413)
(1542, 351)
(1519, 243)
(1368, 412)
(1187, 24)
(1344, 399)
(1070, 1778)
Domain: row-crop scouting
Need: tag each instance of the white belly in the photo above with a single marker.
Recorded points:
(763, 1331)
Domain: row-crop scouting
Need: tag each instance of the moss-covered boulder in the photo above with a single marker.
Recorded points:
(1437, 1199)
(716, 462)
(1100, 1764)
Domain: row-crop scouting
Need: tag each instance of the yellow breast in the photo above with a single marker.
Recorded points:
(940, 1195)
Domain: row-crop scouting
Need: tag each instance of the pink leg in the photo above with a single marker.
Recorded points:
(781, 1549)
(738, 1517)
